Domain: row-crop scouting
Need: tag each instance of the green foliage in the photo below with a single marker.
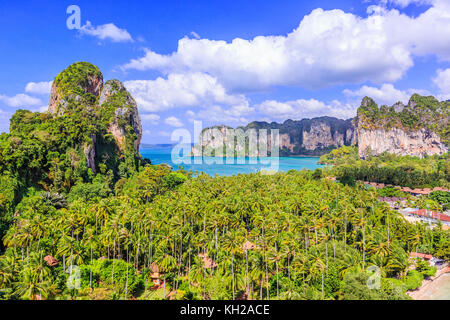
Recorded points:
(72, 80)
(441, 197)
(145, 185)
(8, 195)
(311, 238)
(354, 287)
(405, 171)
(414, 279)
(341, 155)
(89, 191)
(317, 174)
(102, 274)
(391, 192)
(425, 269)
(443, 250)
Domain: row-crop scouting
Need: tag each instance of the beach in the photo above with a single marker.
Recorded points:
(434, 288)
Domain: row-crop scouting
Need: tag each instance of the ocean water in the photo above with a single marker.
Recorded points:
(209, 165)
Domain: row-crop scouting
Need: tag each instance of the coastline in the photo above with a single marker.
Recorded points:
(430, 286)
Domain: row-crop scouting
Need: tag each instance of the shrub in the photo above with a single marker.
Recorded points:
(413, 279)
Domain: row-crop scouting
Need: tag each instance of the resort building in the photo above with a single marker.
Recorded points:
(427, 216)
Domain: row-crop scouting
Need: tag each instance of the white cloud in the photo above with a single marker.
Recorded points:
(217, 114)
(181, 90)
(405, 3)
(386, 94)
(301, 108)
(195, 35)
(152, 118)
(442, 81)
(328, 48)
(39, 87)
(20, 100)
(173, 122)
(106, 31)
(164, 134)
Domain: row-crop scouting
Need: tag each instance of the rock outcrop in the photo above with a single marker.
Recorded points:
(400, 142)
(80, 83)
(89, 153)
(320, 137)
(108, 108)
(126, 114)
(418, 129)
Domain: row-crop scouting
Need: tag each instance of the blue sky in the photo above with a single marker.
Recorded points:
(230, 62)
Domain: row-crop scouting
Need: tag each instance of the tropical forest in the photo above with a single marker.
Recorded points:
(83, 216)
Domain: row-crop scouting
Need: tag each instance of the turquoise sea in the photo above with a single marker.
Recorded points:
(163, 154)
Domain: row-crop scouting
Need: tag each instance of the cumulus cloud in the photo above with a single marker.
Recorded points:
(150, 117)
(20, 100)
(195, 35)
(106, 31)
(301, 108)
(386, 94)
(217, 114)
(181, 90)
(39, 87)
(164, 134)
(173, 122)
(442, 81)
(328, 48)
(405, 3)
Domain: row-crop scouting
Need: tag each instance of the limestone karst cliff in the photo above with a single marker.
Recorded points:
(114, 129)
(114, 96)
(314, 136)
(418, 129)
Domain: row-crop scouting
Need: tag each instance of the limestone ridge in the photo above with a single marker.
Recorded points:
(311, 137)
(109, 109)
(418, 129)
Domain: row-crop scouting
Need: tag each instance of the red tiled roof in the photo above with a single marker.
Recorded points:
(248, 245)
(421, 255)
(440, 189)
(51, 261)
(154, 268)
(208, 263)
(431, 214)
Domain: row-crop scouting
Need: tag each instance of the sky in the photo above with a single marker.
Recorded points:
(229, 62)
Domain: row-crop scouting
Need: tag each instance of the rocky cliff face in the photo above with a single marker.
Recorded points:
(108, 108)
(126, 114)
(320, 136)
(397, 141)
(417, 129)
(305, 137)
